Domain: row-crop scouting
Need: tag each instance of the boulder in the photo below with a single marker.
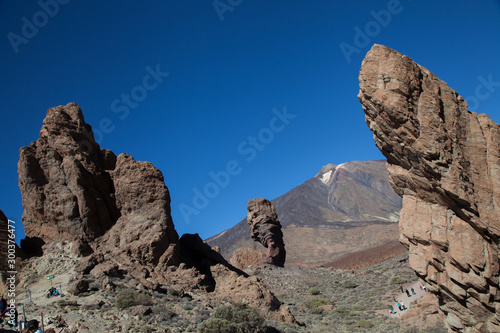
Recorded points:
(445, 162)
(266, 229)
(140, 311)
(77, 287)
(243, 258)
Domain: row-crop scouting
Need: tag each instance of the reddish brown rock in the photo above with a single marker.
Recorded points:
(243, 258)
(74, 191)
(67, 193)
(266, 229)
(445, 162)
(423, 315)
(116, 212)
(145, 230)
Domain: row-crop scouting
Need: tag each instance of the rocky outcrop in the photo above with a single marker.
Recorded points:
(266, 229)
(243, 258)
(445, 163)
(422, 315)
(65, 182)
(109, 216)
(145, 230)
(74, 191)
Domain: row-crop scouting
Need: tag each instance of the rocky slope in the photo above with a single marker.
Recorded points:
(343, 209)
(445, 162)
(103, 218)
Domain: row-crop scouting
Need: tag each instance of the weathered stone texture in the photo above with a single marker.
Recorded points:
(266, 229)
(114, 212)
(445, 163)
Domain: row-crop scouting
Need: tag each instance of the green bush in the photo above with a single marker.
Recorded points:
(232, 319)
(344, 311)
(127, 298)
(349, 284)
(217, 325)
(397, 280)
(316, 302)
(314, 291)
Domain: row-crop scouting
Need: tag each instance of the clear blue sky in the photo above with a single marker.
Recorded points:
(228, 68)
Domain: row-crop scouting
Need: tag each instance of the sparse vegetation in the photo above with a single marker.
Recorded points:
(316, 302)
(397, 280)
(314, 291)
(349, 284)
(364, 324)
(127, 298)
(360, 309)
(147, 329)
(236, 318)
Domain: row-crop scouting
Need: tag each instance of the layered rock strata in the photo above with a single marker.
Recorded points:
(266, 229)
(445, 162)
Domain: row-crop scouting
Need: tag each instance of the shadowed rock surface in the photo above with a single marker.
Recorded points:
(266, 229)
(445, 163)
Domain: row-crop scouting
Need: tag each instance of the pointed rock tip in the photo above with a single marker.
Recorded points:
(72, 110)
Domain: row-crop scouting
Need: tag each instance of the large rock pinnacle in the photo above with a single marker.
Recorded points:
(112, 213)
(266, 229)
(75, 191)
(445, 163)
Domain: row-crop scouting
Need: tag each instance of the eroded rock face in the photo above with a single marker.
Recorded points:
(266, 229)
(64, 179)
(445, 163)
(243, 258)
(113, 214)
(75, 191)
(145, 228)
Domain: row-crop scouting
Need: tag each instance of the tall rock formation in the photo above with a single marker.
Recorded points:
(445, 162)
(72, 190)
(113, 213)
(266, 229)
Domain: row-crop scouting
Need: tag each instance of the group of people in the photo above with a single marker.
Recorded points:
(52, 292)
(401, 306)
(408, 292)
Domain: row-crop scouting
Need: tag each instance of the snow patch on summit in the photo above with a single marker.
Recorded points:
(325, 178)
(329, 175)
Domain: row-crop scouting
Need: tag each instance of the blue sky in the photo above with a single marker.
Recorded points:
(258, 94)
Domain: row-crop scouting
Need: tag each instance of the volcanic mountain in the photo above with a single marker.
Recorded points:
(344, 213)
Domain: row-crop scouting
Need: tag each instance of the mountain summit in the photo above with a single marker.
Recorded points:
(342, 209)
